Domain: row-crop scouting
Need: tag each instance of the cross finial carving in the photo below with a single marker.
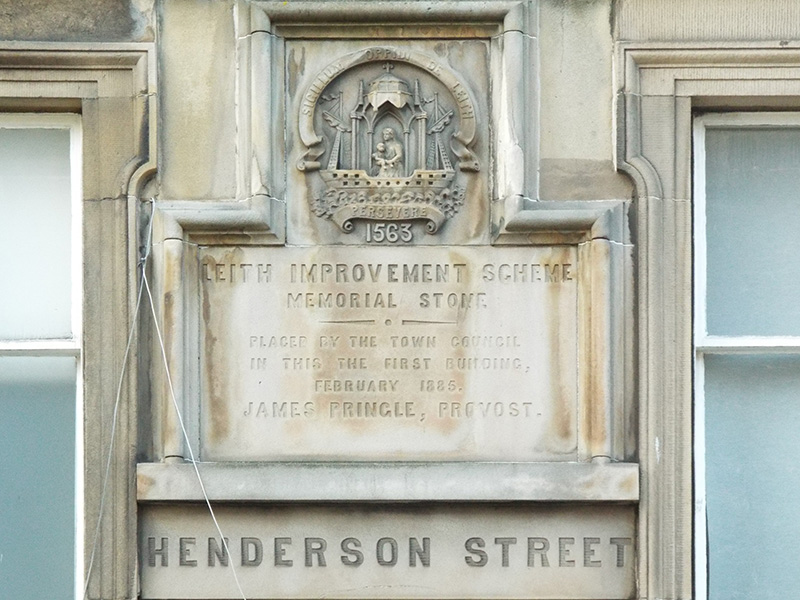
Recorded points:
(388, 66)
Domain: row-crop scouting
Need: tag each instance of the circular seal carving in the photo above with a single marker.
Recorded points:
(390, 141)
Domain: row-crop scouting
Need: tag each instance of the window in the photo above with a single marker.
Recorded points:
(747, 340)
(41, 435)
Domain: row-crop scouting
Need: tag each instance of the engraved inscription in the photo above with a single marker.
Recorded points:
(366, 353)
(453, 552)
(556, 552)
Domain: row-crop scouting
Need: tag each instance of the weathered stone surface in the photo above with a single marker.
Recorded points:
(525, 551)
(553, 129)
(712, 20)
(582, 179)
(389, 353)
(198, 139)
(77, 20)
(577, 103)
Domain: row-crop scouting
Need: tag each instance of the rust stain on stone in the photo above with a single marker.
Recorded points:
(597, 434)
(214, 372)
(172, 280)
(594, 413)
(629, 484)
(143, 485)
(169, 434)
(296, 65)
(447, 424)
(562, 393)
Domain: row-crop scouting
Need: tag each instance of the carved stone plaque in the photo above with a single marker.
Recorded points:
(388, 133)
(419, 353)
(477, 551)
(384, 320)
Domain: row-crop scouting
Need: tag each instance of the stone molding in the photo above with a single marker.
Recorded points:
(392, 482)
(253, 220)
(599, 230)
(573, 221)
(604, 388)
(660, 85)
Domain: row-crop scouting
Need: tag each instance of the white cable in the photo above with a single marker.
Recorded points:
(186, 437)
(106, 476)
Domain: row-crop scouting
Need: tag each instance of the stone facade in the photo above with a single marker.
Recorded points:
(546, 273)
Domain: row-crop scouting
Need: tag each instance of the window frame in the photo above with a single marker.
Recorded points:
(704, 343)
(58, 346)
(727, 344)
(64, 346)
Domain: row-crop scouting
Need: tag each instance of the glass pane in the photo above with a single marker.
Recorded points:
(752, 406)
(37, 477)
(35, 233)
(753, 216)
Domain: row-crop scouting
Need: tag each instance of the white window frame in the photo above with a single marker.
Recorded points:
(72, 345)
(704, 343)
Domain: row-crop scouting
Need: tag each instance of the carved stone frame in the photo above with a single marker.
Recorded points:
(661, 86)
(112, 87)
(512, 26)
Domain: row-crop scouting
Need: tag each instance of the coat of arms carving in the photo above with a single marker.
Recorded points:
(388, 136)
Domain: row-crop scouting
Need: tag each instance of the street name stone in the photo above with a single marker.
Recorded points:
(478, 551)
(383, 353)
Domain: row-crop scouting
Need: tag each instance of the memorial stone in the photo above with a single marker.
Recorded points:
(389, 353)
(399, 321)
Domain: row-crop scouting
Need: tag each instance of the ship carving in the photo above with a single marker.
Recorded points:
(388, 156)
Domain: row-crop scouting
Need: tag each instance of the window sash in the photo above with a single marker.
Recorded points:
(72, 123)
(702, 339)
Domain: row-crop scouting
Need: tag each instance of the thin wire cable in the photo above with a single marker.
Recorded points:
(186, 437)
(106, 476)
